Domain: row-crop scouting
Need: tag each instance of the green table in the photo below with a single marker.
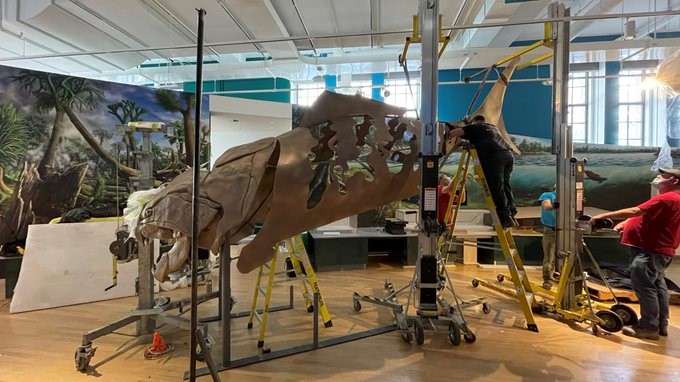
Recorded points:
(9, 269)
(332, 251)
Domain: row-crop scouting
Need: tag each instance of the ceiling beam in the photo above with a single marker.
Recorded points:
(304, 27)
(109, 23)
(231, 12)
(281, 27)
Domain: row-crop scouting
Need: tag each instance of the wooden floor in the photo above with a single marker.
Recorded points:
(39, 346)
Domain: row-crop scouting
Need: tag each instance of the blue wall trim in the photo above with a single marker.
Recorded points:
(331, 81)
(611, 103)
(377, 80)
(221, 87)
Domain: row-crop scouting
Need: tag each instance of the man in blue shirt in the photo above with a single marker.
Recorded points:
(548, 220)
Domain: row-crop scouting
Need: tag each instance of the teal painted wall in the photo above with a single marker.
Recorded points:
(527, 107)
(221, 87)
(611, 103)
(377, 79)
(331, 81)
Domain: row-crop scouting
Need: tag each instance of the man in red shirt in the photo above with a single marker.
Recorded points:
(652, 232)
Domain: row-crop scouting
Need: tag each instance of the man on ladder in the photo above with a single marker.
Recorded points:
(495, 156)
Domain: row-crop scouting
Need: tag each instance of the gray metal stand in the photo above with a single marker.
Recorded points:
(147, 316)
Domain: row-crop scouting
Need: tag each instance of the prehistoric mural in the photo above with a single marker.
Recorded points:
(60, 147)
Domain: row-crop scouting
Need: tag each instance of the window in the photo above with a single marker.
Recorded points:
(631, 108)
(362, 88)
(578, 106)
(400, 95)
(307, 93)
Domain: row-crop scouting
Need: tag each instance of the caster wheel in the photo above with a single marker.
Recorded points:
(628, 315)
(406, 336)
(83, 356)
(419, 332)
(357, 306)
(310, 309)
(328, 324)
(475, 283)
(539, 308)
(485, 308)
(595, 329)
(610, 321)
(250, 325)
(200, 356)
(470, 338)
(454, 334)
(500, 278)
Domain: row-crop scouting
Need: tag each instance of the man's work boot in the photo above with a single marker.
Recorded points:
(506, 222)
(663, 331)
(644, 334)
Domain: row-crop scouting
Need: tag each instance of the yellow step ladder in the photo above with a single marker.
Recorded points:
(293, 249)
(523, 289)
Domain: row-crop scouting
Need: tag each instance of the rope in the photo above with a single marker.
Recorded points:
(402, 62)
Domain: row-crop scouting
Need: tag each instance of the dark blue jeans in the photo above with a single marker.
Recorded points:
(648, 278)
(497, 168)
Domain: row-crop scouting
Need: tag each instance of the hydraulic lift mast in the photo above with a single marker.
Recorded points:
(429, 158)
(569, 193)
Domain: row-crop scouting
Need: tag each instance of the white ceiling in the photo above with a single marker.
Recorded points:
(60, 35)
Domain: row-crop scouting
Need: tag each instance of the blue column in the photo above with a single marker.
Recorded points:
(331, 82)
(611, 103)
(377, 80)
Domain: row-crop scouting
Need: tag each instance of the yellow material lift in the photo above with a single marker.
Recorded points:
(570, 299)
(610, 317)
(523, 288)
(293, 249)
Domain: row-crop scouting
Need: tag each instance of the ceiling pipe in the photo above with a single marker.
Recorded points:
(178, 21)
(239, 23)
(304, 27)
(107, 22)
(335, 20)
(357, 34)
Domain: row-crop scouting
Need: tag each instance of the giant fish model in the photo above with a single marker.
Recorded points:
(299, 180)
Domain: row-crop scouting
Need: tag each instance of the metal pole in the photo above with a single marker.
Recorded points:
(562, 147)
(145, 297)
(194, 197)
(225, 306)
(429, 160)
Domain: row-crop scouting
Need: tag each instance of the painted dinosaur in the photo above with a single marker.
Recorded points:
(350, 154)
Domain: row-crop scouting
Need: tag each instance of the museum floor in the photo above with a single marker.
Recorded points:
(39, 346)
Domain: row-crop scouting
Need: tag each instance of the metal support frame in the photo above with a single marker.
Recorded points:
(225, 361)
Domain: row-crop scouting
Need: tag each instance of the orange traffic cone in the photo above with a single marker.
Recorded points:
(157, 348)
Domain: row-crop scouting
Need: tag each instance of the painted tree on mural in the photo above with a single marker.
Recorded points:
(127, 111)
(182, 103)
(13, 142)
(65, 94)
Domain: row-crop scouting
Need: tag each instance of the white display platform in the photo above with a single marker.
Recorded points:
(66, 264)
